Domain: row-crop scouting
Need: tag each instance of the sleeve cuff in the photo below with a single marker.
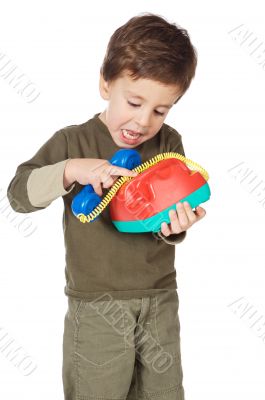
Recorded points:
(171, 239)
(45, 184)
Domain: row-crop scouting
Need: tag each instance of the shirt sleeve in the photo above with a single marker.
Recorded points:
(171, 239)
(174, 144)
(39, 181)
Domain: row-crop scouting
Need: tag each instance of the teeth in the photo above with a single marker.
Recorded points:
(129, 136)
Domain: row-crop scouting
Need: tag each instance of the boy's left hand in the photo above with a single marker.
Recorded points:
(182, 218)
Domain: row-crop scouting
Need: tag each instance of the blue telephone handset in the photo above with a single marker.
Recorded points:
(86, 200)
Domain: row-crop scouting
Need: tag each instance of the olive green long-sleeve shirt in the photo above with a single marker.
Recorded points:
(98, 258)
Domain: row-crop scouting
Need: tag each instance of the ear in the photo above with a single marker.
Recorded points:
(103, 87)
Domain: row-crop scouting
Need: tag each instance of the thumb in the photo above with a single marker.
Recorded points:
(200, 212)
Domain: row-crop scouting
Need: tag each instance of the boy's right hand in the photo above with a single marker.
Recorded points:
(94, 171)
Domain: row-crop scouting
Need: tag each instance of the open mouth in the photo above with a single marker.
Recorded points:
(130, 134)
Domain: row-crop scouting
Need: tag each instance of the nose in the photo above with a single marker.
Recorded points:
(143, 118)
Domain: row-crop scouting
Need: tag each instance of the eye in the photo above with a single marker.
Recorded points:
(133, 104)
(159, 113)
(139, 105)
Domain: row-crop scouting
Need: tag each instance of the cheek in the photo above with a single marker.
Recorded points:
(156, 127)
(121, 115)
(116, 118)
(114, 122)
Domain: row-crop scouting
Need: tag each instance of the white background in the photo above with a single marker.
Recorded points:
(60, 46)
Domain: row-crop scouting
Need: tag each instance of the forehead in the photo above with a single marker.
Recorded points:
(148, 89)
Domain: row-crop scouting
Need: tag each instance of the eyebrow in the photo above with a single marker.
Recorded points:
(141, 98)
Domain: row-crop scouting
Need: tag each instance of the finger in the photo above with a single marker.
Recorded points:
(192, 217)
(106, 179)
(100, 166)
(182, 215)
(97, 186)
(174, 222)
(120, 171)
(165, 229)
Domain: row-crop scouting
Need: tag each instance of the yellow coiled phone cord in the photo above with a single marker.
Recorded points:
(123, 179)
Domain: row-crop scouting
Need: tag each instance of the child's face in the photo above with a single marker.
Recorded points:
(138, 107)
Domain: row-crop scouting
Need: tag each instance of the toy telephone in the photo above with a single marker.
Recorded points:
(142, 203)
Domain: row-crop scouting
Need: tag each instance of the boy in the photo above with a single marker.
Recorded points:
(134, 352)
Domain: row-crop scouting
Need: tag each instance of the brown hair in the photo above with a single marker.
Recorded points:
(150, 47)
